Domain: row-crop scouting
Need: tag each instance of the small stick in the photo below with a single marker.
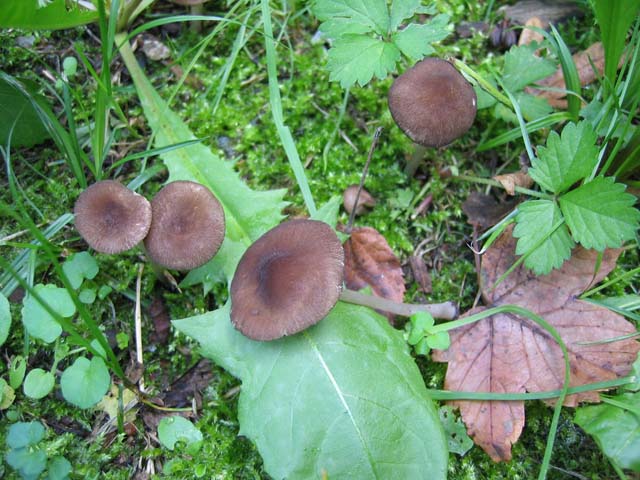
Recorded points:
(138, 325)
(446, 310)
(374, 142)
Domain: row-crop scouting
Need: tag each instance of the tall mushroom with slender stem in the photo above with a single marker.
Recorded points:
(432, 103)
(187, 227)
(291, 277)
(111, 218)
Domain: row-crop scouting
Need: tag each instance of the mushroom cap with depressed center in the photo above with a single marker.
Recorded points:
(432, 103)
(187, 227)
(111, 218)
(287, 280)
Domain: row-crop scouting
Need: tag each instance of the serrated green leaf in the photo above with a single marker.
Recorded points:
(328, 213)
(535, 221)
(532, 107)
(38, 383)
(79, 266)
(339, 15)
(5, 319)
(567, 158)
(415, 40)
(38, 322)
(600, 214)
(85, 382)
(616, 430)
(56, 15)
(357, 58)
(403, 9)
(322, 396)
(248, 213)
(522, 67)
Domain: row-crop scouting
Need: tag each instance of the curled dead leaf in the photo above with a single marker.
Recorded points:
(510, 181)
(369, 261)
(506, 353)
(364, 201)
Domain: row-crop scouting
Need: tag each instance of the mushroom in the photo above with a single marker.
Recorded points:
(349, 200)
(287, 280)
(432, 103)
(187, 227)
(111, 218)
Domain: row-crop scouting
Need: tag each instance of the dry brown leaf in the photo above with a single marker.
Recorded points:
(530, 34)
(506, 353)
(365, 200)
(583, 60)
(369, 261)
(484, 211)
(510, 181)
(420, 273)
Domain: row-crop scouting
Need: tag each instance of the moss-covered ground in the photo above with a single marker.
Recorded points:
(241, 130)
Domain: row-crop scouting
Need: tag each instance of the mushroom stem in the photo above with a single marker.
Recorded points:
(417, 158)
(445, 310)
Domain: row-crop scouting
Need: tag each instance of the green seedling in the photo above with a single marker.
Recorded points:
(421, 336)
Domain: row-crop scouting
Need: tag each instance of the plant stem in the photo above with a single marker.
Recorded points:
(446, 310)
(374, 142)
(138, 326)
(495, 183)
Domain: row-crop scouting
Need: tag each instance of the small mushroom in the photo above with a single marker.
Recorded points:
(349, 200)
(432, 103)
(287, 280)
(187, 227)
(111, 218)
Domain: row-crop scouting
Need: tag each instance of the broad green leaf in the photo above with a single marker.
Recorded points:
(55, 15)
(567, 158)
(522, 67)
(29, 462)
(415, 40)
(38, 383)
(7, 395)
(615, 430)
(79, 266)
(85, 382)
(455, 430)
(18, 118)
(24, 434)
(87, 295)
(58, 468)
(178, 429)
(17, 369)
(535, 221)
(600, 214)
(38, 322)
(357, 58)
(248, 213)
(5, 319)
(322, 396)
(337, 15)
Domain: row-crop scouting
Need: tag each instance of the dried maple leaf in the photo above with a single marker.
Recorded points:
(369, 261)
(506, 353)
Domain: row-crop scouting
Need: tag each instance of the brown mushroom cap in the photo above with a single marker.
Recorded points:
(187, 227)
(432, 103)
(111, 218)
(287, 280)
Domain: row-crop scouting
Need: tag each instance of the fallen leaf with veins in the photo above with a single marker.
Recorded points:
(484, 211)
(506, 353)
(369, 261)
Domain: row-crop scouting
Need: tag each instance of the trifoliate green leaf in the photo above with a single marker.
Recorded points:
(340, 16)
(535, 222)
(600, 214)
(415, 40)
(522, 67)
(357, 58)
(566, 158)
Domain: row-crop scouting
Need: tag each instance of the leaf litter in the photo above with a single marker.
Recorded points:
(506, 353)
